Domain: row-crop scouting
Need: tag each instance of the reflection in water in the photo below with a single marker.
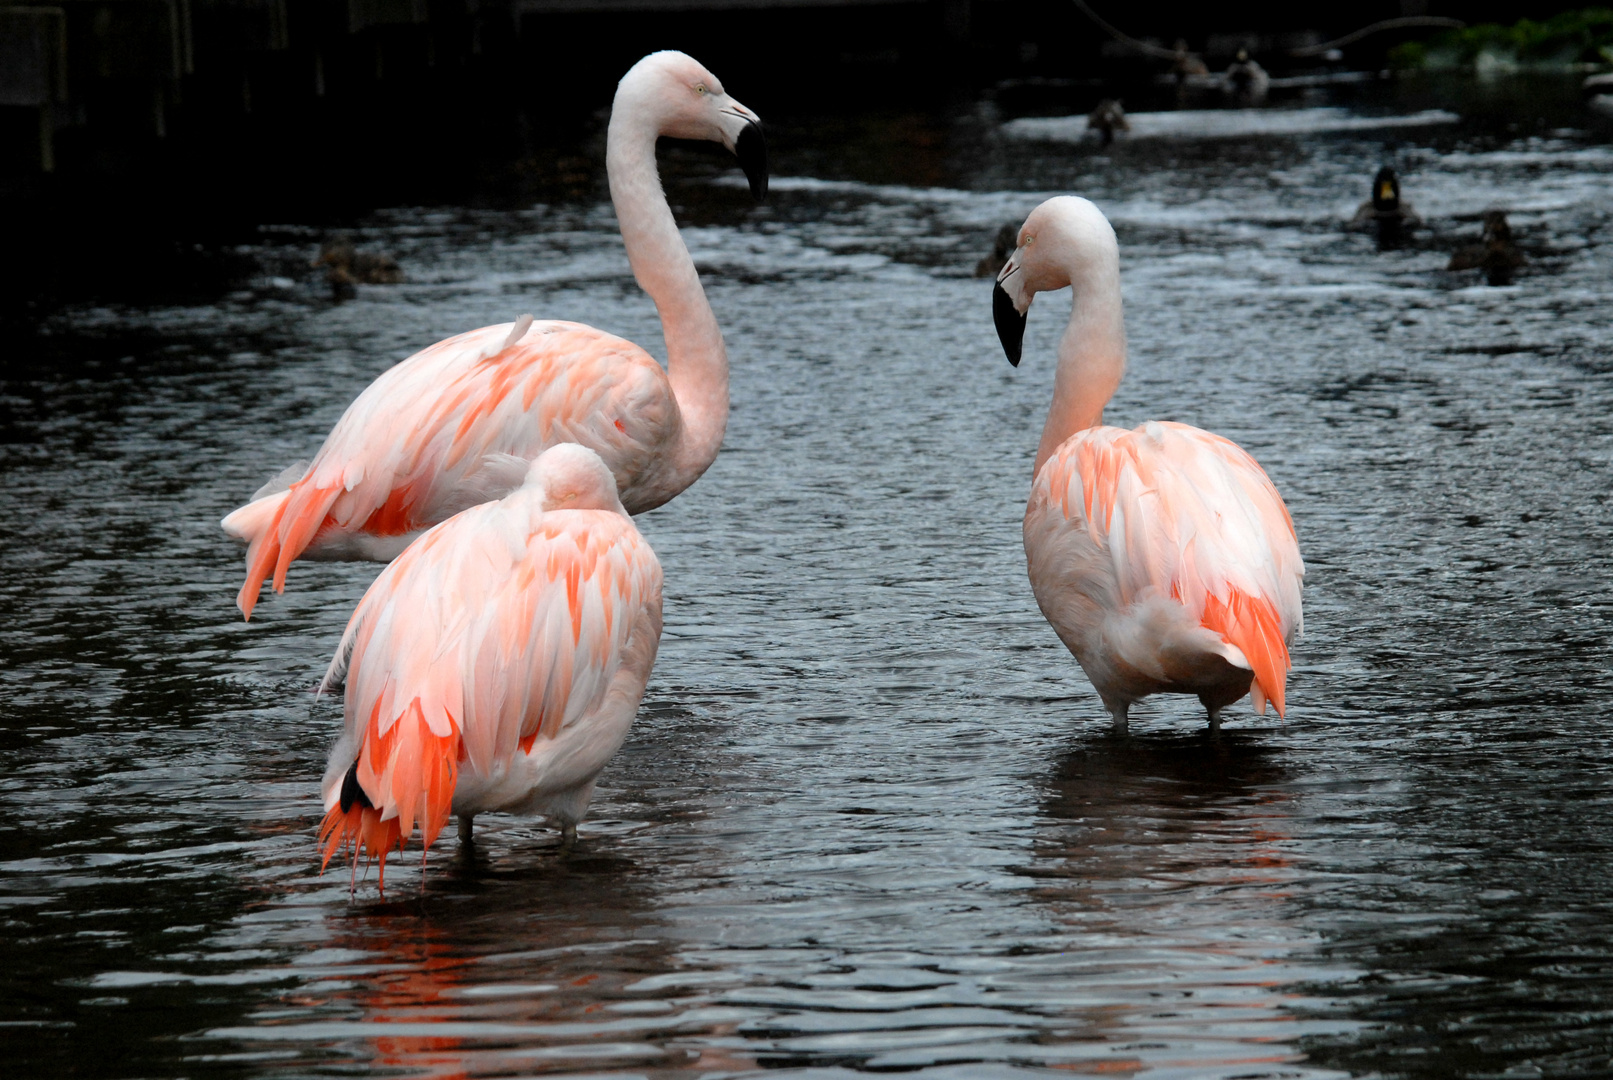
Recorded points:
(1167, 861)
(518, 959)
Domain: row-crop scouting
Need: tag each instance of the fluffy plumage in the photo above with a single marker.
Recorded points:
(1163, 557)
(496, 664)
(454, 425)
(1166, 561)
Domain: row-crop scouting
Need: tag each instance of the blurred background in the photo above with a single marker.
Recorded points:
(144, 128)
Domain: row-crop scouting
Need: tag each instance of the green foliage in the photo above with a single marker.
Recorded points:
(1408, 56)
(1573, 37)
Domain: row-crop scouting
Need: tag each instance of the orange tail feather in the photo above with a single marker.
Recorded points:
(361, 828)
(307, 506)
(401, 779)
(258, 523)
(277, 529)
(1251, 623)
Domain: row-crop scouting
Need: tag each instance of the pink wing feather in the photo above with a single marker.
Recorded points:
(496, 629)
(1190, 514)
(436, 434)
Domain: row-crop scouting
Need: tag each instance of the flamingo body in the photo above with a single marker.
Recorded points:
(1163, 557)
(455, 425)
(1166, 562)
(496, 664)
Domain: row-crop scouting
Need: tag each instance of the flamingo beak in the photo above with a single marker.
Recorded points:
(751, 149)
(741, 132)
(1006, 310)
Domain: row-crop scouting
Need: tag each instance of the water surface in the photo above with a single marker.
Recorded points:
(871, 817)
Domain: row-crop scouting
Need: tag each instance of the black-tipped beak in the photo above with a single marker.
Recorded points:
(1010, 323)
(751, 149)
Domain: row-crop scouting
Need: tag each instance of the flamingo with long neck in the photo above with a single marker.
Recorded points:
(458, 423)
(1163, 556)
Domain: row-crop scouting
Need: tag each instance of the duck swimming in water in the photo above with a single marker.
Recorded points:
(1246, 81)
(1186, 65)
(1385, 212)
(1495, 253)
(1002, 247)
(346, 267)
(1107, 119)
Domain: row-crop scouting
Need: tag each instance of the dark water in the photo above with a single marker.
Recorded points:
(871, 817)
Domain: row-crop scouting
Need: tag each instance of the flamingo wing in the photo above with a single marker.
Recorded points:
(495, 630)
(455, 425)
(1187, 514)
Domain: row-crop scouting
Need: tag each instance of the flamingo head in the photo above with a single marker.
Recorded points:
(1065, 242)
(689, 102)
(574, 478)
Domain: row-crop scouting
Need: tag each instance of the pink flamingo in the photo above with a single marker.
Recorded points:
(1163, 556)
(456, 424)
(496, 664)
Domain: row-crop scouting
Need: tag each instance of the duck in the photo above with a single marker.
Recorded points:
(1495, 253)
(1186, 66)
(1001, 248)
(1107, 119)
(1385, 211)
(346, 267)
(1246, 81)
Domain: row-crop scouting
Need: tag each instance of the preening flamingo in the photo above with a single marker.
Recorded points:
(1163, 556)
(496, 664)
(456, 424)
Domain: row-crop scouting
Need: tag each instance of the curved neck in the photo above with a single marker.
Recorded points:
(697, 362)
(1092, 359)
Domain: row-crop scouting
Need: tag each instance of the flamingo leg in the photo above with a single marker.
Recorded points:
(466, 824)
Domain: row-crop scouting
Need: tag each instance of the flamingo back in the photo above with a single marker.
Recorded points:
(1184, 513)
(455, 425)
(492, 633)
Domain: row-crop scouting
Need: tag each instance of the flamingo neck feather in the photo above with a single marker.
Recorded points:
(1092, 354)
(697, 361)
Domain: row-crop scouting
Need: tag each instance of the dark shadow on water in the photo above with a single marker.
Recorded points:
(1198, 768)
(1128, 810)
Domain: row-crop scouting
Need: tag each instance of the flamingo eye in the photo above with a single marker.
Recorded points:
(700, 88)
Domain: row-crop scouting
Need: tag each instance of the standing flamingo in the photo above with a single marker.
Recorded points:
(456, 424)
(496, 664)
(1163, 556)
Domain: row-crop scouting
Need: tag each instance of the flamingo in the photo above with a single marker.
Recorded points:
(496, 664)
(1162, 556)
(457, 423)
